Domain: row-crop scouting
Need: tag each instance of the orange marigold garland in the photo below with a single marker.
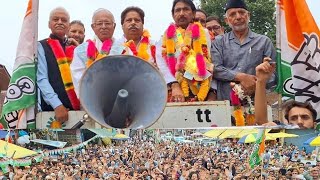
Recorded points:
(170, 48)
(236, 95)
(132, 46)
(69, 53)
(65, 72)
(142, 50)
(153, 53)
(239, 117)
(197, 47)
(185, 51)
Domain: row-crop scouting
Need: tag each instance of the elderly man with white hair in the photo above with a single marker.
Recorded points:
(103, 25)
(53, 73)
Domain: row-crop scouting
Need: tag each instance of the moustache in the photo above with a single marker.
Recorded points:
(60, 26)
(133, 28)
(182, 18)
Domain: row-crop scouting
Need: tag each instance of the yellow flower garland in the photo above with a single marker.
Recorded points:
(144, 44)
(190, 44)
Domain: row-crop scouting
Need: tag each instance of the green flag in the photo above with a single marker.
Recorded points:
(298, 52)
(258, 149)
(19, 103)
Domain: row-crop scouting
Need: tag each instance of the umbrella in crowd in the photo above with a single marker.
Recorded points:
(214, 133)
(314, 141)
(269, 136)
(120, 137)
(282, 135)
(14, 151)
(250, 138)
(246, 132)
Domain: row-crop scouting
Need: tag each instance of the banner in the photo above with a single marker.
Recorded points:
(298, 53)
(18, 108)
(4, 161)
(258, 149)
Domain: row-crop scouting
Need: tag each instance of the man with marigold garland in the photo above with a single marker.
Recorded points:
(53, 74)
(135, 40)
(184, 58)
(103, 25)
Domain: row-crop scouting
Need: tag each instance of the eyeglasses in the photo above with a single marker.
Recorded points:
(212, 28)
(101, 23)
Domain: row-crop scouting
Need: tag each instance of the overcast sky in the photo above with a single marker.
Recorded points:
(158, 17)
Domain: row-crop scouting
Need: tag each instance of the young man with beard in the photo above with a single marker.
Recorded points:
(297, 113)
(76, 33)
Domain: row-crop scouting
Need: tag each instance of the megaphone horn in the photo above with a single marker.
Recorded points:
(123, 92)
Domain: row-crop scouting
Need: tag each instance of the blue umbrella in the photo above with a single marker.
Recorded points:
(248, 138)
(314, 141)
(3, 133)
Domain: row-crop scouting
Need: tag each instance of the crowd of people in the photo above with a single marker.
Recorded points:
(144, 158)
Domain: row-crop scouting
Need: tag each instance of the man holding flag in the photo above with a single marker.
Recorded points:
(18, 107)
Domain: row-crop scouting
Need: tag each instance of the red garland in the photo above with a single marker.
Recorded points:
(133, 48)
(69, 53)
(153, 53)
(61, 58)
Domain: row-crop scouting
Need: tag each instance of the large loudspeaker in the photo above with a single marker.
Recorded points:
(123, 92)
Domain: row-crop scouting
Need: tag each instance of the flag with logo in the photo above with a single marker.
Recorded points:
(258, 149)
(19, 104)
(298, 52)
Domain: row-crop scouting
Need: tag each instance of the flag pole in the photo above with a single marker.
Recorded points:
(35, 17)
(278, 47)
(264, 150)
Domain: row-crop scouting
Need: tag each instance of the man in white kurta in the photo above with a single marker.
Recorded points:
(103, 26)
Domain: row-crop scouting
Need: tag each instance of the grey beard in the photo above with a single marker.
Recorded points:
(239, 28)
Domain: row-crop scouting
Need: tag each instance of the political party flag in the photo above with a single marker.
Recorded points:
(18, 108)
(298, 53)
(258, 149)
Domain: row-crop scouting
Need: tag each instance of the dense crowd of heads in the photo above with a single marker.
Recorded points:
(147, 159)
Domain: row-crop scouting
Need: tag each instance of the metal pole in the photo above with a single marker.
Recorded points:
(278, 44)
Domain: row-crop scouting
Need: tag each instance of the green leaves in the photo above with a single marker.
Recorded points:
(262, 15)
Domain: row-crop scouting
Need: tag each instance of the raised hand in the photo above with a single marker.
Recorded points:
(265, 70)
